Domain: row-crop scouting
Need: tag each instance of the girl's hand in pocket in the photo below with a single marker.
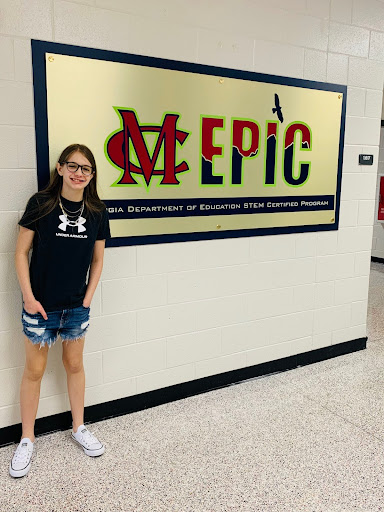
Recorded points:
(33, 307)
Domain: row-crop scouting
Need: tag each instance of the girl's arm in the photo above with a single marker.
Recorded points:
(23, 246)
(94, 271)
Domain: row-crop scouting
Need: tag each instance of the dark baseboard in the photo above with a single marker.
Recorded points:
(114, 408)
(377, 260)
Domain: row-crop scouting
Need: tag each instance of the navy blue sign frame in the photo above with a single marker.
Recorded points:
(41, 48)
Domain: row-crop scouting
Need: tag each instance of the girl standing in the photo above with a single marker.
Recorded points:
(66, 225)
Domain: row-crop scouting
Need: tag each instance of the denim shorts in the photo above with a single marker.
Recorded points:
(70, 324)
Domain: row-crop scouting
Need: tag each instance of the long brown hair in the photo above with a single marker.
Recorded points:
(48, 198)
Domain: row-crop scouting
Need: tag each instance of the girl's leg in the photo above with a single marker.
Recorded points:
(35, 363)
(73, 364)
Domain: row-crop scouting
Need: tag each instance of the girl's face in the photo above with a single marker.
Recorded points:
(75, 179)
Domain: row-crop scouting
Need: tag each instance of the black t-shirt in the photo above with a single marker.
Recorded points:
(62, 254)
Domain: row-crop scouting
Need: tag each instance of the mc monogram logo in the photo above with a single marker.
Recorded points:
(130, 137)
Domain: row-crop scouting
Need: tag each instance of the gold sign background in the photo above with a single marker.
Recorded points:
(81, 94)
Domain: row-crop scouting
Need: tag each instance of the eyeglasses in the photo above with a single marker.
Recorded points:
(85, 169)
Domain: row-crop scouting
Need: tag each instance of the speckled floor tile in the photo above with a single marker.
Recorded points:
(306, 440)
(375, 326)
(282, 453)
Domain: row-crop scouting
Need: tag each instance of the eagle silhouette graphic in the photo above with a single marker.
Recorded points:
(277, 109)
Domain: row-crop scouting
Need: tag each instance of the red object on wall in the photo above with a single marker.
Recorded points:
(380, 213)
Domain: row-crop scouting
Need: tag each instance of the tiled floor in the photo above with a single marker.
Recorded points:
(307, 440)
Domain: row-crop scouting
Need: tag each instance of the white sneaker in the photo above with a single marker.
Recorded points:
(90, 444)
(21, 461)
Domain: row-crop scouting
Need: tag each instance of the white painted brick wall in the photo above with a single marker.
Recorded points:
(348, 39)
(165, 314)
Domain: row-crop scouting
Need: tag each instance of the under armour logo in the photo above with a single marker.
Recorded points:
(78, 223)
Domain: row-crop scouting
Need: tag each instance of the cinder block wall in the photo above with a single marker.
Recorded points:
(166, 314)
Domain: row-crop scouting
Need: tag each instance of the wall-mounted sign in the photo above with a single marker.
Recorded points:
(189, 152)
(365, 159)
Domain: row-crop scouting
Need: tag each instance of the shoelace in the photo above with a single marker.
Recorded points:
(89, 438)
(22, 453)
